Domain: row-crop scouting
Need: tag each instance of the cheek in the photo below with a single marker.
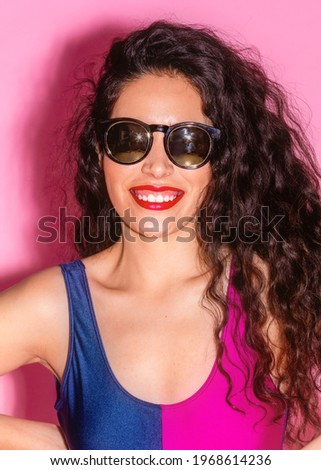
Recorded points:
(201, 178)
(113, 180)
(115, 174)
(200, 184)
(207, 172)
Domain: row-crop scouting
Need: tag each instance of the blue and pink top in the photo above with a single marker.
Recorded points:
(96, 412)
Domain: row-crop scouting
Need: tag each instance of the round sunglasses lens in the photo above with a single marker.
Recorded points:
(127, 141)
(189, 146)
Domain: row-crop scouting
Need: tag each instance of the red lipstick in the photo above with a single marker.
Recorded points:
(157, 198)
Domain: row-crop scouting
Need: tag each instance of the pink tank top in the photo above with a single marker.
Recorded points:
(208, 413)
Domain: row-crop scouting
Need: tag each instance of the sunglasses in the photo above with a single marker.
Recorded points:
(188, 145)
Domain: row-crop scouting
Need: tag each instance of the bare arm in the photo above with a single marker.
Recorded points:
(313, 445)
(31, 328)
(20, 434)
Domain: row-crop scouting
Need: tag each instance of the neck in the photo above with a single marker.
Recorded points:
(154, 263)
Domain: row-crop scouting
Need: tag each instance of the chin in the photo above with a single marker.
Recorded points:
(149, 234)
(152, 232)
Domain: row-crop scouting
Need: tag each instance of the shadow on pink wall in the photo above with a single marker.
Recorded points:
(33, 385)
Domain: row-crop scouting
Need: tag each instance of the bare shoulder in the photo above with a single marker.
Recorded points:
(33, 318)
(38, 294)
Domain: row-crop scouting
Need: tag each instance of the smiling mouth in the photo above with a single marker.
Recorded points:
(156, 198)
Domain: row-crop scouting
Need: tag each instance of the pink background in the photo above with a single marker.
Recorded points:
(42, 43)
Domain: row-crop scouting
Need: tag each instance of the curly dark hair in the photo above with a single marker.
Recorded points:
(264, 168)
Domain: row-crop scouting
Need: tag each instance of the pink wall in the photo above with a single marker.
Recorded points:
(41, 44)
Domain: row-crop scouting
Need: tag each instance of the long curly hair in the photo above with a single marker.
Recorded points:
(264, 170)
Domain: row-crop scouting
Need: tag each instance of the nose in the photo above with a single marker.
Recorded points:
(157, 163)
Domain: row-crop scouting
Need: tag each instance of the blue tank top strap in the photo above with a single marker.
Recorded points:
(82, 331)
(70, 271)
(78, 296)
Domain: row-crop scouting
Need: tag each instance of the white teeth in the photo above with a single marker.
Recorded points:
(159, 198)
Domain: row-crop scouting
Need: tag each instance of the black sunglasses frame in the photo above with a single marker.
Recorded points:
(104, 126)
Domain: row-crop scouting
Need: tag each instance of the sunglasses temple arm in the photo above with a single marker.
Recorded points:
(216, 134)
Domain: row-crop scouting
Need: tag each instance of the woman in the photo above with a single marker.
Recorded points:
(192, 320)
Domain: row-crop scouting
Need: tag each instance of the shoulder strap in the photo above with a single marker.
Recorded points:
(79, 301)
(84, 353)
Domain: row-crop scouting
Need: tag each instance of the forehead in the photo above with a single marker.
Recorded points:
(160, 99)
